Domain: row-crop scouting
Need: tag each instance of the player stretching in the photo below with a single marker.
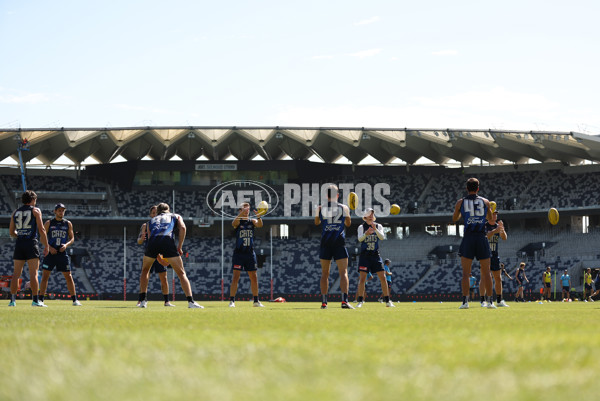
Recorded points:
(475, 210)
(335, 217)
(159, 266)
(60, 236)
(369, 235)
(519, 277)
(25, 224)
(244, 257)
(160, 233)
(494, 229)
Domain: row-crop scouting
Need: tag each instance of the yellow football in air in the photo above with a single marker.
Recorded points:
(262, 208)
(553, 216)
(394, 209)
(352, 200)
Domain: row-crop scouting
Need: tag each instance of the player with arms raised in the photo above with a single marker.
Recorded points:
(333, 219)
(244, 257)
(475, 210)
(60, 236)
(369, 235)
(160, 231)
(25, 225)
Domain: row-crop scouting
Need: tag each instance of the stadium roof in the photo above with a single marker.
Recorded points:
(300, 143)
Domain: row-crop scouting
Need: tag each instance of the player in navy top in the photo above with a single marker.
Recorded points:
(519, 278)
(25, 225)
(60, 236)
(159, 266)
(494, 231)
(244, 257)
(160, 231)
(333, 217)
(369, 235)
(475, 210)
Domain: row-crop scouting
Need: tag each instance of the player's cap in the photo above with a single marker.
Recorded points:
(387, 261)
(368, 212)
(59, 206)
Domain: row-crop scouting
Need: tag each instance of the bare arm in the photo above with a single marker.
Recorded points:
(258, 223)
(347, 218)
(71, 238)
(142, 234)
(41, 229)
(181, 237)
(456, 214)
(51, 249)
(12, 229)
(317, 213)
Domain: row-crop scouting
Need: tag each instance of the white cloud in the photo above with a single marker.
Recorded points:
(367, 21)
(323, 57)
(447, 52)
(365, 53)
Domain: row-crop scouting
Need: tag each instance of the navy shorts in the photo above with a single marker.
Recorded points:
(548, 285)
(244, 261)
(158, 268)
(161, 245)
(26, 249)
(333, 252)
(495, 264)
(60, 260)
(566, 288)
(475, 246)
(588, 287)
(370, 264)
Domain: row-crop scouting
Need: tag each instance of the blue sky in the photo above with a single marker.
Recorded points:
(524, 65)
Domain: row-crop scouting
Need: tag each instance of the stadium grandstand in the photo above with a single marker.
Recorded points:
(112, 175)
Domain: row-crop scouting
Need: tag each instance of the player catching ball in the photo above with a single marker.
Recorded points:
(369, 235)
(244, 257)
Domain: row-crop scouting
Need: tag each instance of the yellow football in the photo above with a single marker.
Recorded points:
(262, 208)
(394, 209)
(492, 206)
(352, 200)
(553, 216)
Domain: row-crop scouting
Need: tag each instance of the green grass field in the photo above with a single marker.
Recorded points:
(111, 350)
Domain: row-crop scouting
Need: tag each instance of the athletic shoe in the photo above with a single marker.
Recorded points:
(194, 305)
(484, 304)
(360, 304)
(592, 300)
(12, 303)
(257, 304)
(143, 304)
(380, 300)
(389, 304)
(39, 303)
(346, 305)
(502, 304)
(76, 303)
(585, 300)
(169, 304)
(464, 306)
(324, 305)
(491, 306)
(231, 304)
